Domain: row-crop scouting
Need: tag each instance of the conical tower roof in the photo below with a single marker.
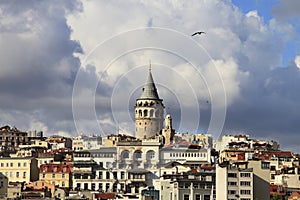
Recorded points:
(149, 89)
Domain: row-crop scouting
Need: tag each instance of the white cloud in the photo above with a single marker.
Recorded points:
(297, 61)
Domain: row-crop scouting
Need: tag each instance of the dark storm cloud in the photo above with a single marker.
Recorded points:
(268, 109)
(37, 63)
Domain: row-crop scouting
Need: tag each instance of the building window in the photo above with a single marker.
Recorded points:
(232, 175)
(245, 191)
(231, 192)
(100, 175)
(106, 187)
(44, 175)
(25, 164)
(265, 165)
(137, 154)
(17, 174)
(186, 197)
(272, 176)
(231, 183)
(53, 175)
(198, 197)
(150, 155)
(206, 197)
(245, 175)
(107, 175)
(19, 164)
(86, 186)
(122, 175)
(125, 154)
(85, 176)
(24, 174)
(78, 185)
(245, 183)
(145, 113)
(100, 186)
(63, 184)
(63, 175)
(273, 168)
(2, 164)
(11, 164)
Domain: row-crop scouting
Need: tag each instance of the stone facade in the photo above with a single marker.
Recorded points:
(149, 111)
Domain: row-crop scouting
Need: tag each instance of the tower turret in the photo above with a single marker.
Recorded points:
(149, 110)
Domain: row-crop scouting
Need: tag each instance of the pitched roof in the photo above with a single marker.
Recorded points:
(149, 89)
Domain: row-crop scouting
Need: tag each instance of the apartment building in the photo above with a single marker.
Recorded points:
(104, 156)
(196, 185)
(248, 180)
(80, 143)
(288, 179)
(11, 138)
(19, 169)
(57, 174)
(234, 183)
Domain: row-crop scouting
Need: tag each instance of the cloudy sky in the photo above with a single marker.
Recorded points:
(76, 67)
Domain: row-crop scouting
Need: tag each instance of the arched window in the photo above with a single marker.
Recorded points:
(137, 154)
(125, 154)
(150, 155)
(140, 113)
(145, 113)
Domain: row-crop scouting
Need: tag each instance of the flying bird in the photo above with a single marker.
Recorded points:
(199, 32)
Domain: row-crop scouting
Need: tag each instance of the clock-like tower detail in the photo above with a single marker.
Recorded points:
(149, 110)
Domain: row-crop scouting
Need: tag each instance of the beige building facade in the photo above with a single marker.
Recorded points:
(19, 169)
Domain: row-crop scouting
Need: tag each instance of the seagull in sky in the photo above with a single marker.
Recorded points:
(199, 32)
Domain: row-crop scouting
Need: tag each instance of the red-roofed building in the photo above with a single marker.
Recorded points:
(294, 196)
(57, 174)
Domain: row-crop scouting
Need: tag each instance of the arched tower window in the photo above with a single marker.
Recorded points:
(151, 113)
(140, 113)
(145, 113)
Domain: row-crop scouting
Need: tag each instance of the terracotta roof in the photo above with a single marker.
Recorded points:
(294, 195)
(57, 168)
(105, 195)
